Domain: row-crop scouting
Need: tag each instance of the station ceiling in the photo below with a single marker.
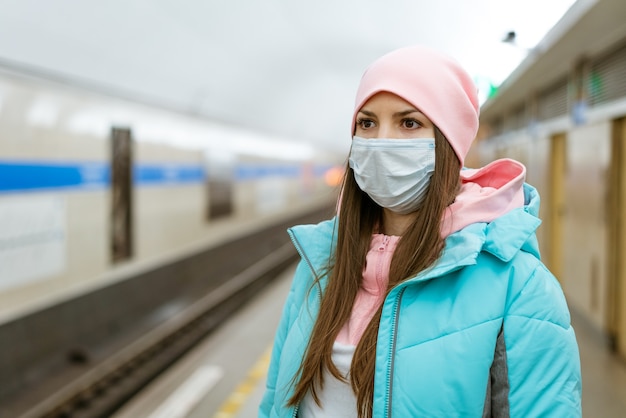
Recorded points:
(287, 68)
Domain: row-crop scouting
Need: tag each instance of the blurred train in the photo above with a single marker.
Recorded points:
(563, 114)
(93, 185)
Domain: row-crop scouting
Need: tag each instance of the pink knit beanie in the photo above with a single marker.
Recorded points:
(432, 82)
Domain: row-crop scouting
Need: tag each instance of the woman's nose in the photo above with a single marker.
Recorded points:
(385, 130)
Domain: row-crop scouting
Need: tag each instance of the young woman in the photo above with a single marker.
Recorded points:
(425, 296)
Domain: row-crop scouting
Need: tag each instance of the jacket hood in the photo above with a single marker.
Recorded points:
(486, 193)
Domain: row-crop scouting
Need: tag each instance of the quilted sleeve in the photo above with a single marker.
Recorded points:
(542, 359)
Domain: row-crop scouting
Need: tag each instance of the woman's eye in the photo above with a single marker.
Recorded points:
(365, 123)
(411, 123)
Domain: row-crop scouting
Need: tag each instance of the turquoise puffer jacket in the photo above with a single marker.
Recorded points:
(485, 332)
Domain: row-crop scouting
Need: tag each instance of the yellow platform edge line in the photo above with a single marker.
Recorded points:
(238, 397)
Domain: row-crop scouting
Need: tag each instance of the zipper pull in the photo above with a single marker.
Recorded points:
(384, 244)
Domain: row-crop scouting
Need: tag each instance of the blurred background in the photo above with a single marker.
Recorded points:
(284, 69)
(152, 151)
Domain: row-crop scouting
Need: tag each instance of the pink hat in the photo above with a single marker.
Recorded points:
(432, 82)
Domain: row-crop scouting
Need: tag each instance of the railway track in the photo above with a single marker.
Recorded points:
(108, 385)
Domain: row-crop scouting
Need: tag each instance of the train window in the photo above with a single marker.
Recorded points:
(121, 194)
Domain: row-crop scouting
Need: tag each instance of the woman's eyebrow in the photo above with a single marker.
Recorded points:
(406, 112)
(397, 114)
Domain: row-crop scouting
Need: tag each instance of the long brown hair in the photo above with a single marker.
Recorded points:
(419, 247)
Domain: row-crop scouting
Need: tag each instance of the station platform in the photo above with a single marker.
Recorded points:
(224, 377)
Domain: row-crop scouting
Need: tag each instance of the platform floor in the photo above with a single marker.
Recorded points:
(225, 376)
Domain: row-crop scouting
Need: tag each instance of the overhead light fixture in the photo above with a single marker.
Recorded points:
(509, 37)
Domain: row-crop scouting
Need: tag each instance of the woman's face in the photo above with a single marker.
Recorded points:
(386, 115)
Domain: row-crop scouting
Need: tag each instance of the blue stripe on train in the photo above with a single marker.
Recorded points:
(250, 171)
(15, 176)
(145, 174)
(42, 175)
(255, 171)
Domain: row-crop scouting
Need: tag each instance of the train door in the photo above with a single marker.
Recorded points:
(121, 194)
(616, 312)
(556, 204)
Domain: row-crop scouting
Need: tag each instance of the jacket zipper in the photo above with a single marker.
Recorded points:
(296, 244)
(392, 349)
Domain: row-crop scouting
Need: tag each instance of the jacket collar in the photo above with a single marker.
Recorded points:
(503, 237)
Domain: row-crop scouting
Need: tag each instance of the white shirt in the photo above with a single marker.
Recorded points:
(337, 398)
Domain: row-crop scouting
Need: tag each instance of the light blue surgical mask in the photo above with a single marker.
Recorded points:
(395, 173)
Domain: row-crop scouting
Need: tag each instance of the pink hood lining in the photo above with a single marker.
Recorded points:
(486, 194)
